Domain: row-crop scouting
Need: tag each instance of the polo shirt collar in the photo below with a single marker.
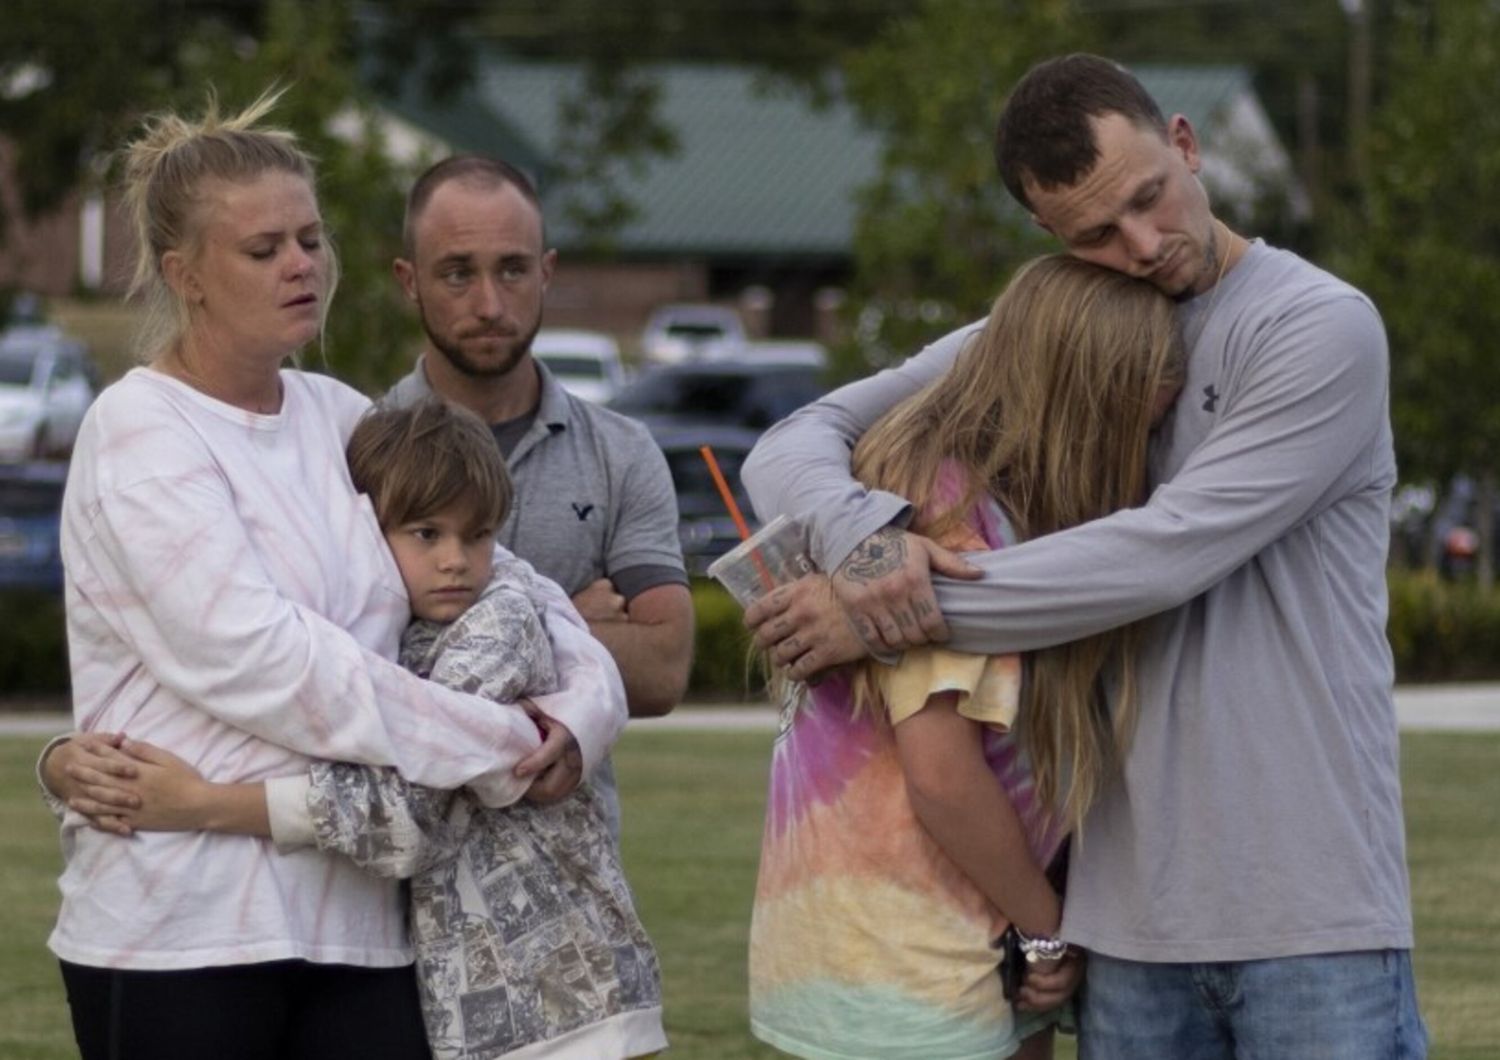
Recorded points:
(554, 410)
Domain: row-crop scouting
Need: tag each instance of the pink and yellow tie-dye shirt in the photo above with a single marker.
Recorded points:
(866, 940)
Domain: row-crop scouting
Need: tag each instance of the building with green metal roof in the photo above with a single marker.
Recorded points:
(762, 187)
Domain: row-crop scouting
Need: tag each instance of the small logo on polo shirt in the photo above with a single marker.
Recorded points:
(582, 510)
(1211, 398)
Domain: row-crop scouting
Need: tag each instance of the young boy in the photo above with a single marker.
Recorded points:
(526, 937)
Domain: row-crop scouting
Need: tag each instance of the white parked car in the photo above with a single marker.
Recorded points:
(586, 363)
(46, 385)
(692, 332)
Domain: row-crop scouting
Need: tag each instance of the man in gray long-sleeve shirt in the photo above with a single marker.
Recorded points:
(1243, 887)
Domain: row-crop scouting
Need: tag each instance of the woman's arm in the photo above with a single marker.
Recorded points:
(590, 696)
(228, 641)
(958, 800)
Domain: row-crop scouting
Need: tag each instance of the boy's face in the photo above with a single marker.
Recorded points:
(445, 561)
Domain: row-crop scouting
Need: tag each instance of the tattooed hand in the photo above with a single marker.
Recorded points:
(880, 600)
(885, 586)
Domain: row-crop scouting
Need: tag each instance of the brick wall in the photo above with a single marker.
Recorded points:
(41, 253)
(617, 297)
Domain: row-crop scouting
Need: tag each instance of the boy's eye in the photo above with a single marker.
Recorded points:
(425, 533)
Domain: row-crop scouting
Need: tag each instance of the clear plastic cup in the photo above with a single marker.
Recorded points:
(774, 555)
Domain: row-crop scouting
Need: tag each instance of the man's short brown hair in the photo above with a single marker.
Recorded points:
(1045, 134)
(424, 459)
(476, 170)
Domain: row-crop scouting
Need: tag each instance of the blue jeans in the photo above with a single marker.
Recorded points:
(1342, 1006)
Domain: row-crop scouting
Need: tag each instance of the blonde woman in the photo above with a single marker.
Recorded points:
(915, 808)
(230, 598)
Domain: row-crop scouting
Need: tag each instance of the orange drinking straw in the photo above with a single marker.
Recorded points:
(734, 513)
(734, 509)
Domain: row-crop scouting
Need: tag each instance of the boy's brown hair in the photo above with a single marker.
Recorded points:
(417, 461)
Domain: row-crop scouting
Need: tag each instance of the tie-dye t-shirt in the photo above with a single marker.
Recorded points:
(866, 940)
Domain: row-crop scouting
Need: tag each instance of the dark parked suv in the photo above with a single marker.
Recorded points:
(751, 394)
(30, 519)
(722, 404)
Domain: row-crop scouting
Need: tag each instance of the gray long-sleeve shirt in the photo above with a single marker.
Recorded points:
(1259, 811)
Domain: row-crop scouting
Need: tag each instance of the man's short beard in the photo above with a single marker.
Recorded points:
(453, 353)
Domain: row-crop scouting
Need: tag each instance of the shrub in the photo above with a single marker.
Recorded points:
(1441, 630)
(724, 665)
(33, 643)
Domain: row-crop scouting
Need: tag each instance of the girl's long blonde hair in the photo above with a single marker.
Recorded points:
(1048, 410)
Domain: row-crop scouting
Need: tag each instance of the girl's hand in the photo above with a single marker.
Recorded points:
(165, 794)
(87, 773)
(1050, 983)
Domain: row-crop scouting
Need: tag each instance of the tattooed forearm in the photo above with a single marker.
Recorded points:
(876, 556)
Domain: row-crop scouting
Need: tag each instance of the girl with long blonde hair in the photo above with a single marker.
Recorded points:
(914, 808)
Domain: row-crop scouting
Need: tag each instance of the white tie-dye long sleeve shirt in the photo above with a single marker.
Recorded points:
(231, 598)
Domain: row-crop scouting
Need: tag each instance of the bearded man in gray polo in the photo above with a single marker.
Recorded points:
(594, 509)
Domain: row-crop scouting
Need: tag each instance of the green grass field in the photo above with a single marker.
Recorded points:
(692, 824)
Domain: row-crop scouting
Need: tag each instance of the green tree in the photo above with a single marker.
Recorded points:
(1426, 245)
(90, 69)
(937, 235)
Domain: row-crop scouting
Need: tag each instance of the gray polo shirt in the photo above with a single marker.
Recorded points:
(593, 499)
(1259, 811)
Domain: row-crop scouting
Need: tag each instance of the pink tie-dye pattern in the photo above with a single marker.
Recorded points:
(182, 900)
(863, 929)
(830, 747)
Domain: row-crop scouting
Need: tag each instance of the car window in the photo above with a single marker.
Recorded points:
(748, 399)
(652, 393)
(17, 367)
(563, 364)
(775, 397)
(691, 477)
(25, 497)
(691, 331)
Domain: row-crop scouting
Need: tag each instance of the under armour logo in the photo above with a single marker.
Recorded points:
(582, 511)
(1211, 398)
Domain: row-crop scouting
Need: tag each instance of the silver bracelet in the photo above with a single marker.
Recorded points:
(1041, 947)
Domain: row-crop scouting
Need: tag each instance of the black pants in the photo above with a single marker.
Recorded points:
(280, 1010)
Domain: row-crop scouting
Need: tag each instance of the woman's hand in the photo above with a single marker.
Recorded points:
(557, 764)
(1050, 983)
